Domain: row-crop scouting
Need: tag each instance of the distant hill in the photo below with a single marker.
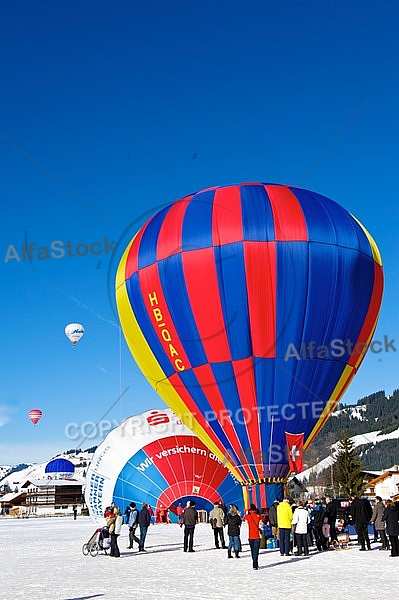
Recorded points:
(12, 478)
(373, 425)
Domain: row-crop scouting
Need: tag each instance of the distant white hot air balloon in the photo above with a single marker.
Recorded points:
(74, 332)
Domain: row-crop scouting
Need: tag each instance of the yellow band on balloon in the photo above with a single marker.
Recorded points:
(343, 382)
(373, 245)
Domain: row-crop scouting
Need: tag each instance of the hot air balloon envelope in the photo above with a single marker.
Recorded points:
(35, 415)
(155, 458)
(60, 468)
(249, 309)
(74, 331)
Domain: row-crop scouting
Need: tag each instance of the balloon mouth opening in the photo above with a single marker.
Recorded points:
(260, 480)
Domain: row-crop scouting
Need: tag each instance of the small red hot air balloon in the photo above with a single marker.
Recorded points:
(35, 415)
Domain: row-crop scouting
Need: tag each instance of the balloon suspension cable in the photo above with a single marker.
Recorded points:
(120, 405)
(158, 382)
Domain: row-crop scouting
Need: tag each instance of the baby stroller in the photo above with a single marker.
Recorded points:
(100, 541)
(343, 539)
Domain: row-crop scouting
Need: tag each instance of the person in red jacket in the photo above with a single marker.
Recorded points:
(253, 519)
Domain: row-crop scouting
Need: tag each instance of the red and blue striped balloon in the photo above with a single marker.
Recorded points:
(249, 309)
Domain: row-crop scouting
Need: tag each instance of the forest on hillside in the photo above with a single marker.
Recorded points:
(377, 412)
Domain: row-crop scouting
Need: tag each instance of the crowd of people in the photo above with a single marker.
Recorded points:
(302, 525)
(290, 524)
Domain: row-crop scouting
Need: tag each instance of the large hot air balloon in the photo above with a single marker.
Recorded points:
(35, 415)
(74, 332)
(155, 458)
(250, 308)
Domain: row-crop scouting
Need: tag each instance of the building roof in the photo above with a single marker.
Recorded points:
(388, 473)
(11, 497)
(49, 483)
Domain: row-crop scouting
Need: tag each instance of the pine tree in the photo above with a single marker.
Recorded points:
(349, 467)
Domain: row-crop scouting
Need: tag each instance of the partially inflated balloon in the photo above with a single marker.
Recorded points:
(74, 331)
(35, 415)
(154, 458)
(249, 308)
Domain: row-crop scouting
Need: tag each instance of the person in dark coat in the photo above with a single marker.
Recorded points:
(233, 522)
(331, 514)
(224, 508)
(126, 514)
(144, 523)
(189, 520)
(379, 523)
(273, 518)
(361, 518)
(133, 523)
(391, 518)
(319, 514)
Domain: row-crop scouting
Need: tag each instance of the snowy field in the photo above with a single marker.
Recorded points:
(42, 558)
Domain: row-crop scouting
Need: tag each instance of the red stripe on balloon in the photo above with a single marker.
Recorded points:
(245, 380)
(260, 272)
(203, 292)
(194, 414)
(262, 490)
(160, 317)
(170, 234)
(289, 220)
(178, 466)
(208, 383)
(371, 317)
(227, 216)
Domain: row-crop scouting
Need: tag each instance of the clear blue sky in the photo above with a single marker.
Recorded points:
(131, 105)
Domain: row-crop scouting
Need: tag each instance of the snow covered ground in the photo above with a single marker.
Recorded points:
(42, 558)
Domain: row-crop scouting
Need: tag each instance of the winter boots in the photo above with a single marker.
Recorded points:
(229, 554)
(236, 553)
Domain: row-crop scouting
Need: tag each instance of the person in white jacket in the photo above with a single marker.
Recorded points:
(116, 533)
(300, 521)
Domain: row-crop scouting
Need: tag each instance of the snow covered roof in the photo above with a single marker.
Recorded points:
(11, 496)
(48, 483)
(385, 475)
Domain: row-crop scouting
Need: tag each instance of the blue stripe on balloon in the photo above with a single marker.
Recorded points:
(274, 491)
(314, 387)
(230, 491)
(292, 269)
(197, 222)
(139, 485)
(257, 216)
(174, 288)
(328, 221)
(230, 268)
(268, 412)
(196, 392)
(342, 302)
(225, 376)
(147, 253)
